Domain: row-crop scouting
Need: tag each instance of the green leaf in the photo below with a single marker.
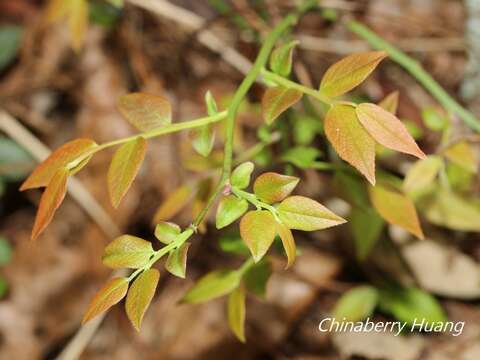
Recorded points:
(176, 263)
(5, 251)
(117, 3)
(10, 37)
(411, 305)
(271, 187)
(387, 129)
(463, 155)
(258, 229)
(281, 58)
(349, 72)
(211, 104)
(396, 208)
(3, 287)
(305, 128)
(127, 251)
(276, 100)
(204, 137)
(256, 278)
(301, 156)
(434, 119)
(350, 139)
(15, 161)
(213, 285)
(352, 189)
(106, 297)
(288, 243)
(166, 232)
(145, 111)
(241, 175)
(124, 168)
(230, 209)
(301, 213)
(356, 304)
(233, 243)
(236, 312)
(422, 174)
(140, 296)
(104, 14)
(366, 229)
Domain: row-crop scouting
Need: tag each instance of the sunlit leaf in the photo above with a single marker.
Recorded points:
(78, 22)
(387, 129)
(230, 209)
(451, 210)
(236, 312)
(241, 175)
(127, 251)
(390, 102)
(366, 230)
(288, 243)
(140, 296)
(51, 199)
(462, 154)
(276, 100)
(301, 156)
(281, 58)
(396, 208)
(271, 187)
(145, 111)
(411, 306)
(172, 205)
(349, 72)
(258, 229)
(60, 158)
(356, 304)
(256, 278)
(213, 285)
(124, 168)
(166, 232)
(10, 37)
(422, 174)
(350, 140)
(176, 263)
(106, 297)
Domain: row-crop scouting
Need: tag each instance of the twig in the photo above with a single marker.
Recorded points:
(416, 70)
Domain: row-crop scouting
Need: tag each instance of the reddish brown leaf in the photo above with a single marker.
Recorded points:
(64, 155)
(78, 22)
(124, 168)
(390, 102)
(350, 140)
(288, 243)
(175, 202)
(106, 297)
(50, 201)
(387, 129)
(257, 229)
(271, 187)
(145, 111)
(276, 100)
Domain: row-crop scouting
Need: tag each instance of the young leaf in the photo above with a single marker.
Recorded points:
(288, 243)
(106, 297)
(396, 209)
(60, 158)
(256, 278)
(51, 199)
(301, 213)
(140, 296)
(230, 209)
(281, 58)
(124, 168)
(236, 312)
(203, 140)
(366, 230)
(166, 232)
(241, 175)
(212, 107)
(258, 229)
(271, 187)
(127, 251)
(462, 155)
(350, 140)
(176, 263)
(78, 22)
(213, 285)
(356, 304)
(349, 72)
(390, 103)
(172, 205)
(145, 111)
(278, 99)
(422, 173)
(387, 129)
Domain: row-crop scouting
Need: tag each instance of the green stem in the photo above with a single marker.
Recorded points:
(416, 70)
(252, 199)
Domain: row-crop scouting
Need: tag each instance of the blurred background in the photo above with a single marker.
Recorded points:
(50, 94)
